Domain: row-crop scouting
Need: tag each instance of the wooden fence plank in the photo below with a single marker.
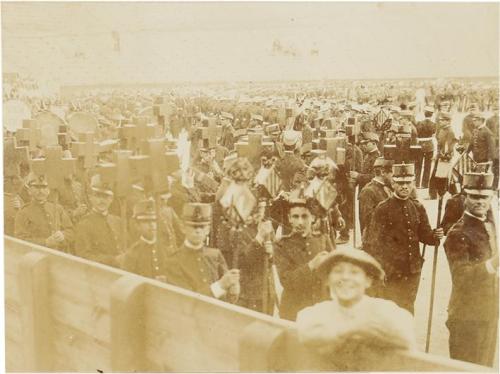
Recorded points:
(37, 327)
(128, 324)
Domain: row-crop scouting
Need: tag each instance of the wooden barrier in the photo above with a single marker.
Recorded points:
(65, 313)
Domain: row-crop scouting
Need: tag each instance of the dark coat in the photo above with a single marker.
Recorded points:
(367, 172)
(301, 286)
(394, 234)
(474, 295)
(196, 270)
(369, 197)
(483, 146)
(96, 238)
(36, 222)
(146, 259)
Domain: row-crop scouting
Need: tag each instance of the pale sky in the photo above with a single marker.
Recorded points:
(72, 42)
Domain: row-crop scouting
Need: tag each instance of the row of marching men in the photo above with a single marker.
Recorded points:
(167, 248)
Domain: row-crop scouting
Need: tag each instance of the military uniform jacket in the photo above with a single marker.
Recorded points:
(493, 124)
(474, 295)
(394, 233)
(367, 173)
(369, 197)
(483, 145)
(36, 222)
(97, 238)
(426, 129)
(301, 286)
(146, 259)
(196, 270)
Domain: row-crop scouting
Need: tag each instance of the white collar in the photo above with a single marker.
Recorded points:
(147, 241)
(399, 197)
(189, 245)
(482, 219)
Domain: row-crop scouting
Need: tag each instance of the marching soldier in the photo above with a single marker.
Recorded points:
(376, 191)
(369, 146)
(426, 130)
(468, 123)
(471, 249)
(353, 162)
(290, 163)
(492, 123)
(397, 227)
(446, 141)
(227, 135)
(97, 232)
(198, 268)
(298, 257)
(482, 146)
(42, 222)
(145, 257)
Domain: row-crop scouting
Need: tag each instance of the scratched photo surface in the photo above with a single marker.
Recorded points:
(250, 187)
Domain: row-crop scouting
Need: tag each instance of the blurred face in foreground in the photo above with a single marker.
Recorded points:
(100, 201)
(348, 283)
(147, 228)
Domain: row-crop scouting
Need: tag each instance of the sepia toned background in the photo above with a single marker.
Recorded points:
(75, 43)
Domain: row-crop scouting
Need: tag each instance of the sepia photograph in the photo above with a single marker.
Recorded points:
(250, 186)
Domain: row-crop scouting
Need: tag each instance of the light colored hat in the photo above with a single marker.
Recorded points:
(353, 256)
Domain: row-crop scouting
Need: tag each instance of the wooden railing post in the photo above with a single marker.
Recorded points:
(33, 281)
(262, 348)
(128, 324)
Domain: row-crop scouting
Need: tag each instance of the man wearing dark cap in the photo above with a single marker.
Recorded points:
(482, 147)
(393, 237)
(351, 317)
(369, 146)
(197, 267)
(426, 130)
(376, 191)
(446, 141)
(97, 233)
(290, 163)
(227, 134)
(471, 249)
(298, 257)
(468, 123)
(145, 257)
(42, 222)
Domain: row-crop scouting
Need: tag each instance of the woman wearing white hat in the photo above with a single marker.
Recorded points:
(351, 317)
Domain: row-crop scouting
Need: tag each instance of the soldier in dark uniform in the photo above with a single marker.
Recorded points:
(426, 130)
(97, 233)
(42, 222)
(227, 135)
(290, 163)
(493, 124)
(375, 192)
(298, 257)
(198, 268)
(369, 146)
(345, 186)
(446, 141)
(471, 249)
(397, 227)
(468, 124)
(482, 146)
(145, 257)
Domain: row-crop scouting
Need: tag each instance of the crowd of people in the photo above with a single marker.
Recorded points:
(269, 182)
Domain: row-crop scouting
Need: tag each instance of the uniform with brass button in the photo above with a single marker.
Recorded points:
(297, 258)
(197, 267)
(144, 257)
(398, 225)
